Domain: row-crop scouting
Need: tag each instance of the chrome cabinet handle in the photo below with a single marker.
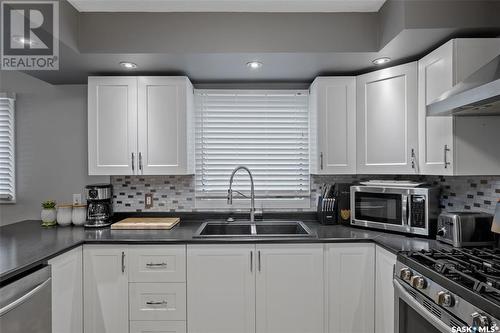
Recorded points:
(251, 261)
(123, 262)
(156, 303)
(259, 260)
(133, 162)
(446, 150)
(140, 161)
(162, 264)
(413, 164)
(321, 160)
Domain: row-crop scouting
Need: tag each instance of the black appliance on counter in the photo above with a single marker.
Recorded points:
(447, 290)
(99, 205)
(334, 203)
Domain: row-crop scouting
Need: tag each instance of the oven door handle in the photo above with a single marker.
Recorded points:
(408, 299)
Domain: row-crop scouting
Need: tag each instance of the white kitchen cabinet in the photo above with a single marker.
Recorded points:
(140, 126)
(438, 72)
(157, 327)
(105, 289)
(165, 119)
(221, 288)
(332, 107)
(387, 141)
(67, 292)
(157, 263)
(157, 301)
(112, 125)
(289, 292)
(384, 290)
(350, 270)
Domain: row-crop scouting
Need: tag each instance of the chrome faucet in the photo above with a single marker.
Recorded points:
(252, 191)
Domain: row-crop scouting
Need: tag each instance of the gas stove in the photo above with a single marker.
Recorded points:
(455, 288)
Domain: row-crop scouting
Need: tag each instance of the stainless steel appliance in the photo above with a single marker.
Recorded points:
(406, 209)
(478, 94)
(99, 205)
(465, 229)
(447, 290)
(25, 304)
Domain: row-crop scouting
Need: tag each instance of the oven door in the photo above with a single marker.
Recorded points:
(381, 210)
(411, 316)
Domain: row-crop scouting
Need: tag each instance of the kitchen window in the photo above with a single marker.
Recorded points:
(7, 149)
(264, 130)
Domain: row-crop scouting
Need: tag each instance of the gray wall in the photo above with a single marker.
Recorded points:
(51, 144)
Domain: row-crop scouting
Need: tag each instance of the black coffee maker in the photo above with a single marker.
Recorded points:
(99, 205)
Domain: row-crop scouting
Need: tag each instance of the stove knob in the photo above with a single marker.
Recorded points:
(480, 320)
(441, 232)
(418, 282)
(445, 299)
(405, 274)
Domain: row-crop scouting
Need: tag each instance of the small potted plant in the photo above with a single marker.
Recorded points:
(48, 213)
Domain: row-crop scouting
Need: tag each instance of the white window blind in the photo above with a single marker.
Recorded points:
(7, 149)
(264, 130)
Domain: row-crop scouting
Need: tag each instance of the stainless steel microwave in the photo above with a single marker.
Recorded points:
(411, 210)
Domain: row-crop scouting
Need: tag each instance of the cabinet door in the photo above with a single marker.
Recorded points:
(105, 289)
(384, 291)
(333, 125)
(290, 288)
(164, 115)
(67, 297)
(350, 291)
(435, 75)
(221, 288)
(112, 125)
(387, 120)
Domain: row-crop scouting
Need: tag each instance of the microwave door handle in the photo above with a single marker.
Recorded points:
(405, 208)
(402, 294)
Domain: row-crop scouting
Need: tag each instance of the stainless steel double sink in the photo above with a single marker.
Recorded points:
(244, 229)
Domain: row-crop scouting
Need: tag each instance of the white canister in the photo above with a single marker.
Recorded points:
(64, 213)
(79, 216)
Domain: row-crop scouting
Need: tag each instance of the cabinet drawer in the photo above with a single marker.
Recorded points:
(157, 264)
(157, 327)
(157, 301)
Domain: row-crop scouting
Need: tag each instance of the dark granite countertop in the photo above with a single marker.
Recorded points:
(26, 244)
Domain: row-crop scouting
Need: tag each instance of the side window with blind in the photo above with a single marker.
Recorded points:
(264, 130)
(7, 150)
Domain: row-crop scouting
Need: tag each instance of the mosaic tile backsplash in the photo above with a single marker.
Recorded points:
(176, 193)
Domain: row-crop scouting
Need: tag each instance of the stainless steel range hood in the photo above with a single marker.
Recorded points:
(477, 95)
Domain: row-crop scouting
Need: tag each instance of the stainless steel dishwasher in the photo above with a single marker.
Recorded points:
(25, 304)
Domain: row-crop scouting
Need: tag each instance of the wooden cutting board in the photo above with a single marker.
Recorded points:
(165, 223)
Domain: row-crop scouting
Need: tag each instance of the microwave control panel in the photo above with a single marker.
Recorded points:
(417, 211)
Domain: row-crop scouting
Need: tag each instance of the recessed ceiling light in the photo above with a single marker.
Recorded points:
(22, 40)
(254, 64)
(128, 65)
(381, 61)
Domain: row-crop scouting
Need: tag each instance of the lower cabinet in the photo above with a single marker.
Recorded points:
(105, 285)
(350, 270)
(262, 288)
(157, 327)
(67, 294)
(384, 290)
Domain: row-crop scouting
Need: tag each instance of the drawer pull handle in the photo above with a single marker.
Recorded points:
(151, 264)
(156, 303)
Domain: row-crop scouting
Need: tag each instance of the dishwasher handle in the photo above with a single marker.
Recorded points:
(25, 297)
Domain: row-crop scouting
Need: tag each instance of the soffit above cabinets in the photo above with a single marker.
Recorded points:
(264, 6)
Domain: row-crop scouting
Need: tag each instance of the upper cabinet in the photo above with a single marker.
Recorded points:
(387, 140)
(333, 125)
(140, 126)
(443, 147)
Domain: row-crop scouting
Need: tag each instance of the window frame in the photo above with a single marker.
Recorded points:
(239, 203)
(12, 98)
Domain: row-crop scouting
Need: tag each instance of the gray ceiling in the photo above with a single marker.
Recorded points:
(294, 47)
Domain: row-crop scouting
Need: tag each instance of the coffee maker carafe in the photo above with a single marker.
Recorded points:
(99, 205)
